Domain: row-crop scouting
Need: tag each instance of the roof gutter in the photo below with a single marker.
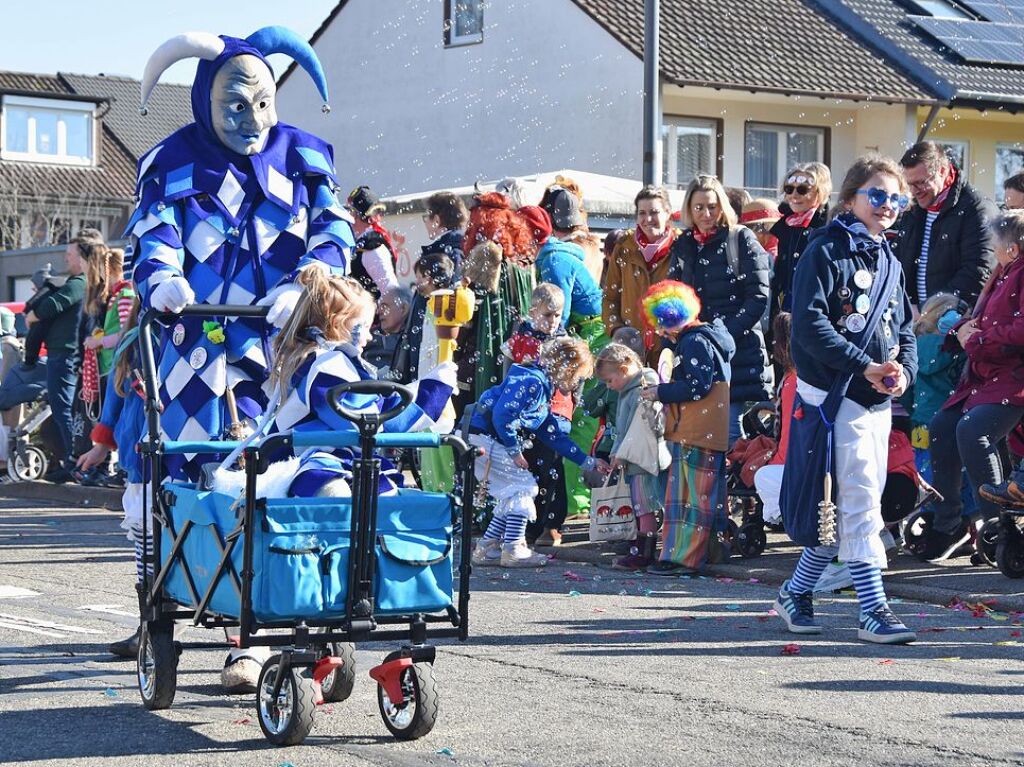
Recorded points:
(717, 85)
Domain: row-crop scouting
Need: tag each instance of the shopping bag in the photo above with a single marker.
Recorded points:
(611, 512)
(643, 444)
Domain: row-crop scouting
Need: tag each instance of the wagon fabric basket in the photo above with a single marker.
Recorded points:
(301, 554)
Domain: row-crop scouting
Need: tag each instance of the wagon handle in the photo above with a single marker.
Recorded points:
(379, 388)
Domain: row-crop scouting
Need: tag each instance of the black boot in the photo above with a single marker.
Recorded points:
(641, 555)
(129, 648)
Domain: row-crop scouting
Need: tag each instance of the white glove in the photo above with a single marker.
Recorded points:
(281, 301)
(172, 295)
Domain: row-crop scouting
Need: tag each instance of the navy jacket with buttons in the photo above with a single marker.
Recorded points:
(825, 297)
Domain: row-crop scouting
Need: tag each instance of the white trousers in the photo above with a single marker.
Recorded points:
(768, 481)
(861, 439)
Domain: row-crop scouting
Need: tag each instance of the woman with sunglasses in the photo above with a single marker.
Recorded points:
(728, 269)
(804, 208)
(854, 351)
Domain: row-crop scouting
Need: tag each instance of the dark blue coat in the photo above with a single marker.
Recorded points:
(825, 296)
(739, 300)
(792, 241)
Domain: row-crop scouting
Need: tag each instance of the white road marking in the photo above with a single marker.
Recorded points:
(47, 625)
(109, 610)
(16, 592)
(29, 629)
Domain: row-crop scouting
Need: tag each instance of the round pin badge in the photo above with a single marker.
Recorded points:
(178, 335)
(198, 358)
(856, 323)
(863, 279)
(862, 304)
(844, 293)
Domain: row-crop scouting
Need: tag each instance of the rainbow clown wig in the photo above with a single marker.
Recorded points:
(670, 305)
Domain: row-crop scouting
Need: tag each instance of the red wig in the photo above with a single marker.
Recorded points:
(492, 218)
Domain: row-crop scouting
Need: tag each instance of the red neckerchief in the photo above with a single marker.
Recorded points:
(940, 198)
(376, 226)
(654, 252)
(801, 220)
(701, 238)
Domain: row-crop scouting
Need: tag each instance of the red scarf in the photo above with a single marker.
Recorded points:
(801, 220)
(940, 198)
(701, 237)
(654, 252)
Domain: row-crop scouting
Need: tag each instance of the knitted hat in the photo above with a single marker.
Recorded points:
(538, 220)
(760, 211)
(40, 276)
(670, 305)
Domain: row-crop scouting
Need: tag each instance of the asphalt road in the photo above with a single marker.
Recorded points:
(572, 665)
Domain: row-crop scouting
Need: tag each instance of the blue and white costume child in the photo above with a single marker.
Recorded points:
(229, 211)
(306, 408)
(504, 415)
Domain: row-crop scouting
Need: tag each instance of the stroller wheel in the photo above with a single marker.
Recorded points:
(415, 716)
(987, 540)
(27, 464)
(1010, 549)
(915, 531)
(337, 686)
(286, 718)
(750, 540)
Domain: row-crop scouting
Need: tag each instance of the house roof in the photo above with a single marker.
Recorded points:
(124, 137)
(785, 46)
(947, 75)
(168, 108)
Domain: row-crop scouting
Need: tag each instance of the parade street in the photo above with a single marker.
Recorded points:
(571, 665)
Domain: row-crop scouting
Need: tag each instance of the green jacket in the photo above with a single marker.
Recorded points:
(60, 309)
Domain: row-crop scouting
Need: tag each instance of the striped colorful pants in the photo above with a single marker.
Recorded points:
(695, 506)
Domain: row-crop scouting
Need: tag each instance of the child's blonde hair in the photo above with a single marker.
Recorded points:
(932, 310)
(565, 356)
(122, 367)
(330, 304)
(616, 356)
(548, 296)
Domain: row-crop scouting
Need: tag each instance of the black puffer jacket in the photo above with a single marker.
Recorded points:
(961, 253)
(740, 301)
(792, 241)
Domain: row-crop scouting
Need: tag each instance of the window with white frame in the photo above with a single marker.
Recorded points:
(463, 22)
(771, 150)
(1009, 160)
(689, 145)
(47, 130)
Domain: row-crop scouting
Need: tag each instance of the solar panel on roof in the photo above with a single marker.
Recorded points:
(999, 11)
(978, 42)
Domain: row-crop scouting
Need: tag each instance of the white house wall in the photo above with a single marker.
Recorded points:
(547, 88)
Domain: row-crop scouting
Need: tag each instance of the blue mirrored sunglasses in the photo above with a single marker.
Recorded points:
(878, 197)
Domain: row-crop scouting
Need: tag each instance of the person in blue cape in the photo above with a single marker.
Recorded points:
(230, 209)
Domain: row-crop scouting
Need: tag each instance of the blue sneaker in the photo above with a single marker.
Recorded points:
(883, 627)
(797, 610)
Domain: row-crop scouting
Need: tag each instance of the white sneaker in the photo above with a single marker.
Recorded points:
(836, 576)
(518, 554)
(486, 553)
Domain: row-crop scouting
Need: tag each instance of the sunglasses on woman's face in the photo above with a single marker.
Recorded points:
(801, 190)
(878, 197)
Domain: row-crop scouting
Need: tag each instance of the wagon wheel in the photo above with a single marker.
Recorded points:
(286, 718)
(157, 665)
(415, 716)
(337, 686)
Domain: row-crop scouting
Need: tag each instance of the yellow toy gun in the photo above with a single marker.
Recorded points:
(452, 309)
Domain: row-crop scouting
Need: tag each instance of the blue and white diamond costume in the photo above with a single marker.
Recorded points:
(237, 227)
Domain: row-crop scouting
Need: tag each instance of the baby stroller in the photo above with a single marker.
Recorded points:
(746, 519)
(34, 442)
(322, 573)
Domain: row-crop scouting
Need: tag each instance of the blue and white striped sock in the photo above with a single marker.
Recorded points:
(810, 567)
(867, 580)
(515, 528)
(496, 530)
(141, 553)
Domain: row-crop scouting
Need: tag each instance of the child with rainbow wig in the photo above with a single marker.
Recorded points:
(696, 403)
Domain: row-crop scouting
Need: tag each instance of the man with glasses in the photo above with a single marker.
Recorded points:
(943, 242)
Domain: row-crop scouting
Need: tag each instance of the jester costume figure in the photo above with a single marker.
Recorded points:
(230, 209)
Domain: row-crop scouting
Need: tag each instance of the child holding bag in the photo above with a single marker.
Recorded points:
(620, 369)
(854, 351)
(696, 428)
